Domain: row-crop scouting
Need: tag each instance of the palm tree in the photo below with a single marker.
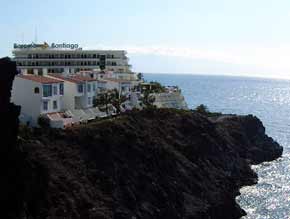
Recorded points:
(110, 97)
(118, 99)
(102, 99)
(148, 99)
(140, 76)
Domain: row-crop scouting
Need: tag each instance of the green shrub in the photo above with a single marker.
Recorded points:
(202, 109)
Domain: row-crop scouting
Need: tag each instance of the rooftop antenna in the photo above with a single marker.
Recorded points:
(22, 37)
(35, 35)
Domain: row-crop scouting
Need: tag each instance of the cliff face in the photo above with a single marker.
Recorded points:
(12, 159)
(149, 164)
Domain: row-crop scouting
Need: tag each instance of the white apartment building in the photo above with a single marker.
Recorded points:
(108, 80)
(124, 87)
(67, 58)
(79, 91)
(38, 95)
(64, 100)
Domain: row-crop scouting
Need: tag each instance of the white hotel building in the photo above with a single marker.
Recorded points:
(40, 59)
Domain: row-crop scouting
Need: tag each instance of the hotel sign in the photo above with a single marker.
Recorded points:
(46, 46)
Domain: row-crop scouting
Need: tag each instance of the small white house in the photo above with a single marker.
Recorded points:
(37, 95)
(124, 87)
(80, 92)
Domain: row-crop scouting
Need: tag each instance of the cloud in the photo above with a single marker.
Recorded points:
(268, 61)
(176, 52)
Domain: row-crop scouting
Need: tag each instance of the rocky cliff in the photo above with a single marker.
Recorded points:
(12, 158)
(149, 164)
(146, 164)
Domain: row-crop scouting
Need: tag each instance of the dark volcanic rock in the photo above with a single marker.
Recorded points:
(11, 186)
(7, 74)
(149, 164)
(247, 135)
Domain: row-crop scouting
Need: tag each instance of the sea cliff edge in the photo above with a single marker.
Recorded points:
(154, 163)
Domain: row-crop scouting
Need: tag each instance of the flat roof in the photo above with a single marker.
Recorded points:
(40, 79)
(117, 80)
(73, 78)
(67, 51)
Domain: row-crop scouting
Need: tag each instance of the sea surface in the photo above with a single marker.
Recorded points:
(268, 99)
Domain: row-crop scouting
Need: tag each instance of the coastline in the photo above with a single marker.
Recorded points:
(160, 163)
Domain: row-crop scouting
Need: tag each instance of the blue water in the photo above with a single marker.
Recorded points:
(269, 99)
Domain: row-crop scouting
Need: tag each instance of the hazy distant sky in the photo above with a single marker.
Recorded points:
(238, 37)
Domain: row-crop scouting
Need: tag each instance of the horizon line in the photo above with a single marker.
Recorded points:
(224, 75)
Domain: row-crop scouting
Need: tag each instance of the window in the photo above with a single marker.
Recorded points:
(45, 105)
(94, 86)
(90, 101)
(36, 90)
(89, 87)
(54, 90)
(47, 90)
(55, 104)
(61, 89)
(80, 88)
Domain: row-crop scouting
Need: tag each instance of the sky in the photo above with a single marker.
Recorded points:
(228, 37)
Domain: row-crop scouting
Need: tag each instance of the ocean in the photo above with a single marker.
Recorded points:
(268, 99)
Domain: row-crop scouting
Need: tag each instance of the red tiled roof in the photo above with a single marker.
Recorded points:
(40, 79)
(74, 79)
